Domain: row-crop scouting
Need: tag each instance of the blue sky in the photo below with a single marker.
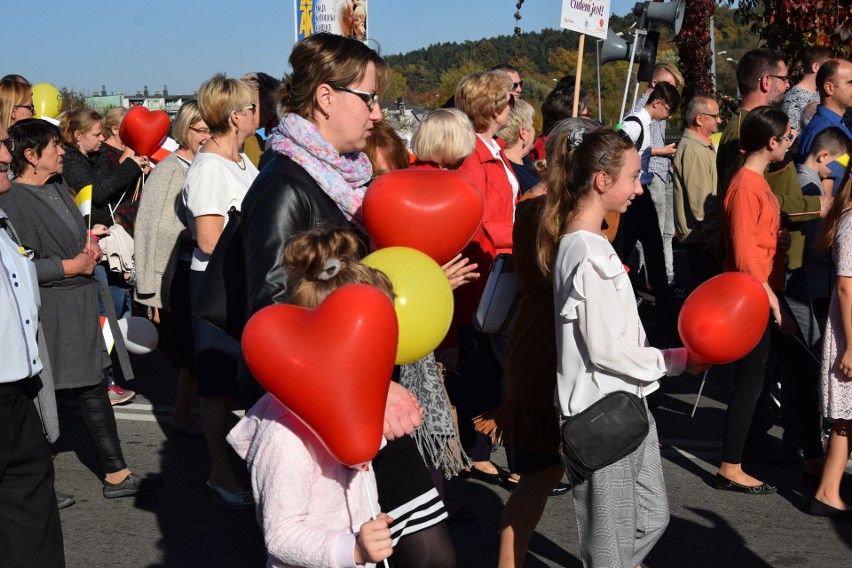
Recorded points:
(125, 46)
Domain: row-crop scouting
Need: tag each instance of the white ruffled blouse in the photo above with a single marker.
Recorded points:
(602, 347)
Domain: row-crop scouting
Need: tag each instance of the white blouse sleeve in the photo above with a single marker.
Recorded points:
(613, 339)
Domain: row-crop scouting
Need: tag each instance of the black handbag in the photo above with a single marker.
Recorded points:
(221, 298)
(602, 434)
(495, 314)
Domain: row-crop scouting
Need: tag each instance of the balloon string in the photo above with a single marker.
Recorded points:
(700, 389)
(370, 501)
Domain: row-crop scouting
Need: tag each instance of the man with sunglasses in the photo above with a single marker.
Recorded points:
(517, 82)
(695, 188)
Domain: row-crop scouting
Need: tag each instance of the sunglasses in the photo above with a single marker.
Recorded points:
(788, 137)
(30, 108)
(518, 84)
(370, 99)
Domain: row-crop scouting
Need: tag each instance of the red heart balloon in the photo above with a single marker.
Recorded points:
(724, 318)
(434, 211)
(331, 366)
(143, 130)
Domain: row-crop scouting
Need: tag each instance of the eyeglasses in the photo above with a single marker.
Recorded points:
(788, 137)
(785, 78)
(623, 137)
(30, 108)
(370, 99)
(517, 85)
(713, 116)
(252, 107)
(201, 131)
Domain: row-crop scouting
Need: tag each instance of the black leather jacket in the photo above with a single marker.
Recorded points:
(284, 200)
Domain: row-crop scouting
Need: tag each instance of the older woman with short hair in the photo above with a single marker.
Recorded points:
(444, 139)
(217, 180)
(475, 386)
(49, 224)
(163, 254)
(519, 136)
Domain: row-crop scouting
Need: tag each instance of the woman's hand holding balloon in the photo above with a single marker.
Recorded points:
(779, 314)
(403, 413)
(373, 543)
(459, 271)
(695, 365)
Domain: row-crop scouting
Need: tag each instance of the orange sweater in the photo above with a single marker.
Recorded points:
(752, 222)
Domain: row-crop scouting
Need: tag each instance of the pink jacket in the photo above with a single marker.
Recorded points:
(309, 505)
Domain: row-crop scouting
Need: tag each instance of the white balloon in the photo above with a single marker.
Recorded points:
(140, 334)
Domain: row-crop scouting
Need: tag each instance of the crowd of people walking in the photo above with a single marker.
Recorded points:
(261, 204)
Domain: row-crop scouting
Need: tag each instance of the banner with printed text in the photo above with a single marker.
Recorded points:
(589, 17)
(342, 17)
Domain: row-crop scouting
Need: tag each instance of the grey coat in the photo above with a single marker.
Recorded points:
(69, 306)
(159, 223)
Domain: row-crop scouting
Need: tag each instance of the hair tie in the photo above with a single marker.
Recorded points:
(330, 269)
(575, 136)
(742, 151)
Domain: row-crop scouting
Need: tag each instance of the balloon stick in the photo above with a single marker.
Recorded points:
(370, 500)
(701, 388)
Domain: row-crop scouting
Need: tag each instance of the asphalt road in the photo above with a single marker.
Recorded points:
(178, 526)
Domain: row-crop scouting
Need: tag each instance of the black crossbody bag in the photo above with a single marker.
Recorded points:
(603, 433)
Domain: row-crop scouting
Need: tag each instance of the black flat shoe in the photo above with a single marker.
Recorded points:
(491, 478)
(64, 501)
(561, 489)
(726, 484)
(820, 509)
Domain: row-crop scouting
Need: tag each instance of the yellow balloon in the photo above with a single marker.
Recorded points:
(844, 160)
(46, 100)
(423, 303)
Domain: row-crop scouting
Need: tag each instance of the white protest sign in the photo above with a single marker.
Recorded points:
(586, 16)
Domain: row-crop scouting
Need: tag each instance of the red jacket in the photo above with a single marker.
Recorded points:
(488, 175)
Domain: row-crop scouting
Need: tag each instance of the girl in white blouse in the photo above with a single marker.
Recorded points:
(622, 510)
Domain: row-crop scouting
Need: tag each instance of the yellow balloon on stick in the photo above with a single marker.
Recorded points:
(423, 303)
(47, 100)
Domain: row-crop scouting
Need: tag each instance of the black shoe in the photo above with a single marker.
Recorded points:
(132, 485)
(64, 501)
(820, 509)
(490, 478)
(726, 484)
(561, 489)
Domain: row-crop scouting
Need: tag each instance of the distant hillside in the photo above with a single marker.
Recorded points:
(428, 76)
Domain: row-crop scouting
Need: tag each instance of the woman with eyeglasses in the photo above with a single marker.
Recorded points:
(16, 101)
(217, 180)
(753, 239)
(318, 176)
(519, 136)
(50, 225)
(474, 360)
(163, 249)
